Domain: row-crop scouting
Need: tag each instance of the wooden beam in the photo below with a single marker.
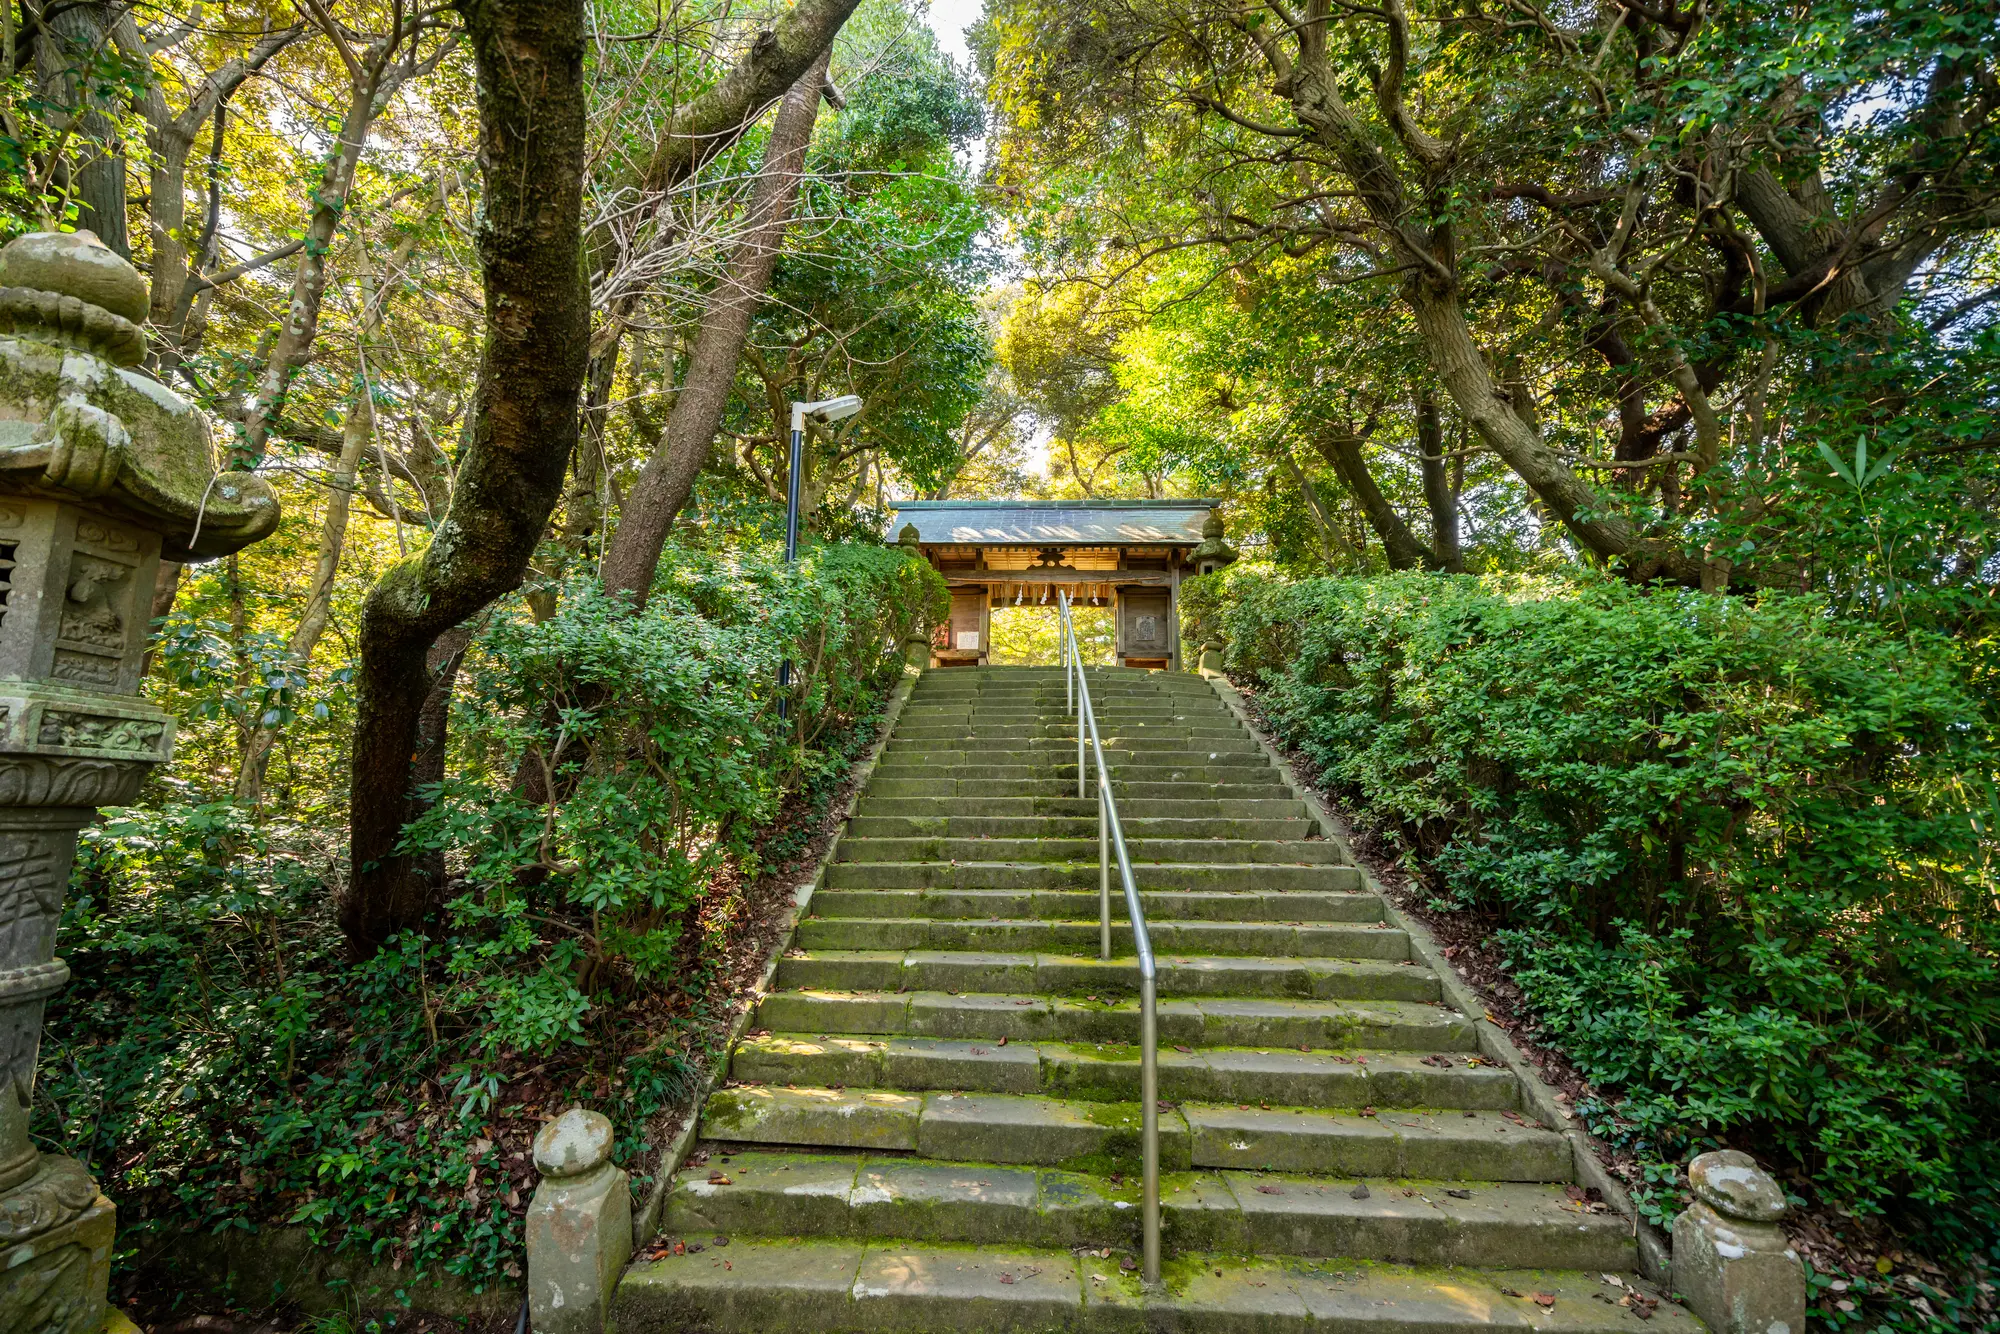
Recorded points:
(1130, 578)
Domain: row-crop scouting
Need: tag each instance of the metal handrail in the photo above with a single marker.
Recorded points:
(1110, 841)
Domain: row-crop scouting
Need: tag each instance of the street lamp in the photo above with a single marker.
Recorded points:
(825, 411)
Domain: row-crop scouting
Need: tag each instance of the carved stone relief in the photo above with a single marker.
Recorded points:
(59, 1261)
(34, 866)
(55, 780)
(91, 731)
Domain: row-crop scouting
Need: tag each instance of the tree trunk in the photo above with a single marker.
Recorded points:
(370, 87)
(166, 587)
(1332, 541)
(529, 59)
(1343, 450)
(1440, 497)
(354, 436)
(97, 180)
(356, 432)
(668, 479)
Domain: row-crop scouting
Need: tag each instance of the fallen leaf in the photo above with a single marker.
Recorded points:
(1269, 1190)
(718, 1179)
(1006, 1278)
(1509, 1292)
(1545, 1299)
(1458, 1194)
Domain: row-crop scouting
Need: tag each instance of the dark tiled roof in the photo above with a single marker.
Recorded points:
(1097, 523)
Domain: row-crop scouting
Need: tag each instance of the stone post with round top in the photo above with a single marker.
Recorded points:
(102, 470)
(917, 644)
(579, 1225)
(1732, 1263)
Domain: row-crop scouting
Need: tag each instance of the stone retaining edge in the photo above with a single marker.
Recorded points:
(1654, 1249)
(646, 1219)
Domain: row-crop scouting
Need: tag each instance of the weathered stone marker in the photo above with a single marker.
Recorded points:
(579, 1225)
(101, 469)
(1731, 1260)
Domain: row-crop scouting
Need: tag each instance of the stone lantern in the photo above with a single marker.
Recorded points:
(1213, 553)
(102, 471)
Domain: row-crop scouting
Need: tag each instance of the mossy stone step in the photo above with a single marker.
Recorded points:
(1109, 1071)
(1184, 975)
(980, 873)
(894, 1286)
(1075, 807)
(1103, 1137)
(1152, 766)
(1295, 906)
(1183, 851)
(1076, 826)
(1266, 941)
(1037, 785)
(855, 1195)
(1216, 1020)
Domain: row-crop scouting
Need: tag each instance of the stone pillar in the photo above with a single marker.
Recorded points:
(102, 470)
(917, 644)
(579, 1225)
(1732, 1264)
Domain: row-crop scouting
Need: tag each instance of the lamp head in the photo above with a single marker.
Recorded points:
(826, 410)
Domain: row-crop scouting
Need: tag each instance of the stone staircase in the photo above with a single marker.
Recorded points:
(931, 1124)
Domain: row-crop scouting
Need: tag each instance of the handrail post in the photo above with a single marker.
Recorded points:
(1069, 652)
(1110, 842)
(1103, 872)
(1149, 1094)
(1081, 714)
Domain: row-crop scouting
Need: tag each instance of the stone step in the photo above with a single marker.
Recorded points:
(1109, 1071)
(1055, 701)
(1058, 739)
(1057, 715)
(1496, 1224)
(968, 874)
(1038, 937)
(1136, 827)
(1130, 810)
(1248, 785)
(1296, 906)
(1104, 1137)
(1188, 975)
(1014, 779)
(1284, 1023)
(893, 1286)
(1200, 766)
(1175, 851)
(1044, 745)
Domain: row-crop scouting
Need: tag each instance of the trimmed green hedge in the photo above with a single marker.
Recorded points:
(1743, 851)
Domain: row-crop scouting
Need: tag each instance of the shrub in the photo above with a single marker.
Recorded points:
(218, 1063)
(1742, 850)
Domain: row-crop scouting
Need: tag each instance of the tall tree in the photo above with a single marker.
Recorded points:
(531, 99)
(668, 478)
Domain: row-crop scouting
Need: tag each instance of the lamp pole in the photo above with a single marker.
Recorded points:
(826, 411)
